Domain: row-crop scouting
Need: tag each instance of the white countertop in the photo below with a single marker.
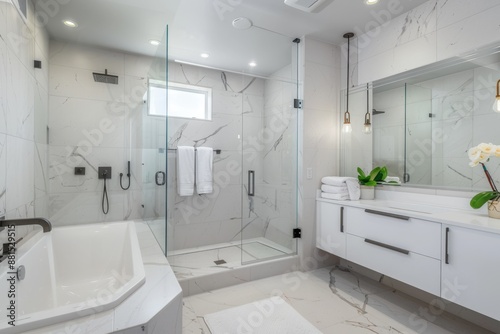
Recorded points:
(478, 220)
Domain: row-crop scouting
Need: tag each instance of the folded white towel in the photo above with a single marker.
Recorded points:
(354, 189)
(334, 189)
(336, 180)
(185, 170)
(338, 197)
(204, 176)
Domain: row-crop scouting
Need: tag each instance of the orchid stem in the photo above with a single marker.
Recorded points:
(490, 179)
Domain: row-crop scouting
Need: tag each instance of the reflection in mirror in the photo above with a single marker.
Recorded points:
(430, 120)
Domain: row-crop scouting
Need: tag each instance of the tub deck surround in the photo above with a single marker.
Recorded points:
(72, 271)
(156, 304)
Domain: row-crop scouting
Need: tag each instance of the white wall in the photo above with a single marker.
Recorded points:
(23, 116)
(95, 124)
(319, 126)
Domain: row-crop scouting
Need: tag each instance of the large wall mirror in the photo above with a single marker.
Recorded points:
(425, 120)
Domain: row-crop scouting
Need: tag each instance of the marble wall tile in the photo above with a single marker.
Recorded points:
(472, 32)
(41, 114)
(79, 83)
(3, 86)
(3, 173)
(20, 103)
(398, 30)
(20, 176)
(19, 39)
(77, 56)
(450, 12)
(74, 121)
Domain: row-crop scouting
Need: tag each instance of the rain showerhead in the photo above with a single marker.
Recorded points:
(106, 78)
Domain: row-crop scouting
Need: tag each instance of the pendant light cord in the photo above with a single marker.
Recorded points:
(348, 73)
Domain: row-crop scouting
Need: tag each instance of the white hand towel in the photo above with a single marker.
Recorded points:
(354, 190)
(185, 170)
(338, 197)
(335, 180)
(334, 189)
(204, 176)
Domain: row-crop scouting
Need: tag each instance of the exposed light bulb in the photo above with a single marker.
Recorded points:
(347, 128)
(496, 106)
(367, 129)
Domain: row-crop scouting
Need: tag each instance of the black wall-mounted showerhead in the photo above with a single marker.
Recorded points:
(105, 78)
(377, 112)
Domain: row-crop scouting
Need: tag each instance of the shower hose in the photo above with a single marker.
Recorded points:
(105, 199)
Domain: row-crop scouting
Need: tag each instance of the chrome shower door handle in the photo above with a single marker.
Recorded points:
(251, 183)
(160, 178)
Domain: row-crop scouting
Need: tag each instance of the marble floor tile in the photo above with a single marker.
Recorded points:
(334, 301)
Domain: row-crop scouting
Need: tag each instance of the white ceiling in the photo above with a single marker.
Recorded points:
(197, 26)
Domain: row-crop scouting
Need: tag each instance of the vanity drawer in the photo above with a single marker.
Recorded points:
(420, 271)
(418, 236)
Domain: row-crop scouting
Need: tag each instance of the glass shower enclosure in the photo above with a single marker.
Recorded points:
(250, 122)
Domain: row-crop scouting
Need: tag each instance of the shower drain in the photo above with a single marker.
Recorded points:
(219, 262)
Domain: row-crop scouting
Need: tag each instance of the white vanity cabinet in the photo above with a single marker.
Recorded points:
(398, 246)
(330, 228)
(471, 269)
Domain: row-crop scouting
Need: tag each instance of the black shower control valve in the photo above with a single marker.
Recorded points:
(79, 170)
(104, 172)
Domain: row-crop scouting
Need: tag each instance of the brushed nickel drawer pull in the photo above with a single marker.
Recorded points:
(396, 249)
(392, 215)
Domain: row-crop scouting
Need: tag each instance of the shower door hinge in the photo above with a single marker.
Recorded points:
(297, 103)
(297, 233)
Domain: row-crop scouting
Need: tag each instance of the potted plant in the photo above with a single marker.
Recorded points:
(368, 182)
(479, 155)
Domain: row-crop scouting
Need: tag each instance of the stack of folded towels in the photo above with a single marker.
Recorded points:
(340, 188)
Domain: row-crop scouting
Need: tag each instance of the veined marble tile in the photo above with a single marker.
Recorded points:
(41, 114)
(401, 29)
(224, 102)
(82, 57)
(79, 83)
(3, 173)
(473, 32)
(20, 102)
(450, 12)
(253, 105)
(19, 40)
(79, 122)
(3, 84)
(42, 74)
(20, 176)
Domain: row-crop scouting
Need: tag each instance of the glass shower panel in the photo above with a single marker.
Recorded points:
(154, 153)
(418, 135)
(269, 160)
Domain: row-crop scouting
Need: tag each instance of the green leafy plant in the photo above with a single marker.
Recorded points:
(377, 174)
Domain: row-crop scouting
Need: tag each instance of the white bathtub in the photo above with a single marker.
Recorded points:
(72, 272)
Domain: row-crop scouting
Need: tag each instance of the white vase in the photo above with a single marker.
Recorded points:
(494, 209)
(367, 192)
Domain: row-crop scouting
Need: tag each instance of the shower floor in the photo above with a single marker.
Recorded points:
(201, 261)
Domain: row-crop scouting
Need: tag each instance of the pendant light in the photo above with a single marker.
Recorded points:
(346, 127)
(367, 129)
(497, 102)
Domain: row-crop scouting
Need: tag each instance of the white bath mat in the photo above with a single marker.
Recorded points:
(268, 316)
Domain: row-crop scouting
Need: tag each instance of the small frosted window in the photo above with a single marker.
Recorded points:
(184, 101)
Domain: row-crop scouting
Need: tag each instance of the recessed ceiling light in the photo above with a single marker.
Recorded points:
(70, 24)
(154, 42)
(205, 55)
(252, 64)
(371, 2)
